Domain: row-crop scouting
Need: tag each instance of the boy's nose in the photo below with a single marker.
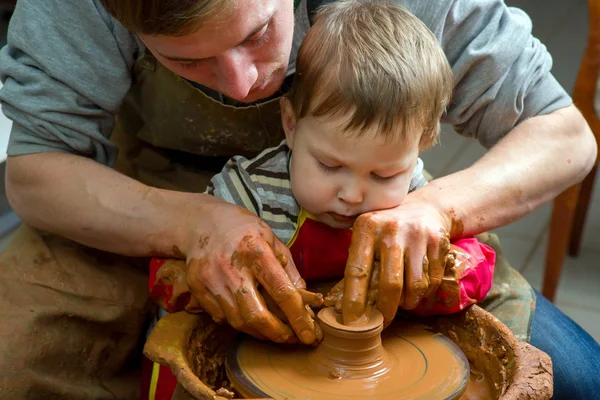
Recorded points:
(351, 194)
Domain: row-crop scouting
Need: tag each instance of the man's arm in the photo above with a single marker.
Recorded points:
(66, 70)
(536, 161)
(506, 97)
(96, 206)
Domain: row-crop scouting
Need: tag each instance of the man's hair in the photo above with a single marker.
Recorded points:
(166, 17)
(378, 63)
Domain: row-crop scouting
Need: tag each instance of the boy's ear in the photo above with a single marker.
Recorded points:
(288, 120)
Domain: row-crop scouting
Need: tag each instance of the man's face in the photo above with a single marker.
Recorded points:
(337, 177)
(243, 56)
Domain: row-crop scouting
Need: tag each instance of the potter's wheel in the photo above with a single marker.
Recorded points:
(407, 361)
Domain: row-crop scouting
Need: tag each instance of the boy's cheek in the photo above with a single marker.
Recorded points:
(385, 198)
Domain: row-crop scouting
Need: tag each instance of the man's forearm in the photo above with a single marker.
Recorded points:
(535, 162)
(99, 207)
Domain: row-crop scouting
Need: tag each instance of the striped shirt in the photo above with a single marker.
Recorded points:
(262, 185)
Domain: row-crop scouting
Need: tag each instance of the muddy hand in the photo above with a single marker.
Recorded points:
(335, 296)
(227, 263)
(411, 242)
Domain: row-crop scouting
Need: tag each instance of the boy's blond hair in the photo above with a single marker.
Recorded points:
(166, 17)
(377, 62)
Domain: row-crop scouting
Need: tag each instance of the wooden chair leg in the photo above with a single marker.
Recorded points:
(581, 210)
(563, 211)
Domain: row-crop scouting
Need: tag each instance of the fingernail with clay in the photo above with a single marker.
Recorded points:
(307, 336)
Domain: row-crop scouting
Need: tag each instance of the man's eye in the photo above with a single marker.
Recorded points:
(260, 38)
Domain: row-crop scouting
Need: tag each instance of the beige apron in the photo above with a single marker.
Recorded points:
(183, 133)
(74, 317)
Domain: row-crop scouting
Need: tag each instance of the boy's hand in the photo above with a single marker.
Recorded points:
(225, 266)
(411, 242)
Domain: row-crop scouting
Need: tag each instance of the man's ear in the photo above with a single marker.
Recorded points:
(288, 120)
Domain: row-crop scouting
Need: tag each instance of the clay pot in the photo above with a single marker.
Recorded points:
(194, 347)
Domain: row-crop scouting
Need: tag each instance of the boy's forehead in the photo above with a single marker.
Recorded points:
(402, 133)
(371, 147)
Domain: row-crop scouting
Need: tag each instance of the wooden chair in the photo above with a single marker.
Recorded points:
(570, 208)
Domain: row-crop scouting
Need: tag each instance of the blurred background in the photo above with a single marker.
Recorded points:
(562, 25)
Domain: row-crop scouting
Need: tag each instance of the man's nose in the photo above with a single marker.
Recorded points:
(236, 73)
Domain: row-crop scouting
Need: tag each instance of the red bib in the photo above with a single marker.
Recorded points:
(319, 251)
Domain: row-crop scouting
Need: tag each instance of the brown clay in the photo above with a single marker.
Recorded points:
(457, 261)
(355, 361)
(458, 227)
(514, 370)
(194, 347)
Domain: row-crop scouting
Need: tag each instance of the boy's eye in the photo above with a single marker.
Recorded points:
(384, 179)
(327, 168)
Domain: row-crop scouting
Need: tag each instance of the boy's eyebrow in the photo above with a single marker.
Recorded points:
(327, 156)
(254, 32)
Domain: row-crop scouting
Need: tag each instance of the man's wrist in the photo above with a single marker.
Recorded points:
(440, 195)
(181, 218)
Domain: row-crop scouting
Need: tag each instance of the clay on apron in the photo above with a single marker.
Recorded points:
(170, 133)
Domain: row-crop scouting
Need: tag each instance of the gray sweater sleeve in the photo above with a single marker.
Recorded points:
(502, 73)
(66, 69)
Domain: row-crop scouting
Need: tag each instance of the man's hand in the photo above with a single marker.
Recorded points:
(410, 242)
(226, 265)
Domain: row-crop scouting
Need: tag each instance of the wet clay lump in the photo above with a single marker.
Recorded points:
(406, 361)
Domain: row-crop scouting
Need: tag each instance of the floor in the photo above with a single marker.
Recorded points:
(562, 26)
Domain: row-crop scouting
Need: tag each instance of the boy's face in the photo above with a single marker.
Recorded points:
(245, 56)
(337, 177)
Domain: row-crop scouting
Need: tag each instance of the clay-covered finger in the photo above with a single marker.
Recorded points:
(319, 333)
(339, 305)
(310, 298)
(437, 250)
(285, 294)
(391, 280)
(310, 311)
(204, 297)
(358, 270)
(416, 277)
(374, 284)
(207, 303)
(257, 317)
(335, 295)
(287, 263)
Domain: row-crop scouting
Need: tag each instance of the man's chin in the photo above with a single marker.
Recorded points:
(263, 94)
